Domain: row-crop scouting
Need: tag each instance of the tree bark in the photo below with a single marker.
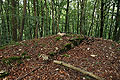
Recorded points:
(36, 23)
(66, 19)
(53, 21)
(42, 18)
(111, 25)
(78, 16)
(102, 19)
(82, 2)
(14, 20)
(23, 20)
(117, 25)
(90, 33)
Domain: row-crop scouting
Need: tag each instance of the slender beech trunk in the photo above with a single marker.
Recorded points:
(23, 20)
(111, 24)
(90, 33)
(102, 19)
(82, 2)
(53, 21)
(14, 20)
(116, 32)
(42, 18)
(8, 19)
(59, 14)
(66, 19)
(36, 23)
(78, 16)
(46, 14)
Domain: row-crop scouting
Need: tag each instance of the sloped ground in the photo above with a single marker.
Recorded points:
(101, 57)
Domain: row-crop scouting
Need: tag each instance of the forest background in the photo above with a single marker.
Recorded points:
(29, 19)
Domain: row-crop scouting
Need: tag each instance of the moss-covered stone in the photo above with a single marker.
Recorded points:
(52, 53)
(11, 59)
(24, 53)
(76, 41)
(2, 47)
(66, 55)
(58, 38)
(67, 46)
(3, 74)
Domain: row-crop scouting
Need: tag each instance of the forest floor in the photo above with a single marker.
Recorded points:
(34, 59)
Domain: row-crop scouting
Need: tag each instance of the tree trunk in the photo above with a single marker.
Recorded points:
(14, 20)
(78, 16)
(111, 25)
(46, 29)
(66, 19)
(102, 19)
(42, 18)
(23, 20)
(90, 33)
(8, 19)
(36, 23)
(116, 32)
(82, 16)
(53, 21)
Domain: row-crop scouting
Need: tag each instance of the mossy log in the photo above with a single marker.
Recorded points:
(78, 69)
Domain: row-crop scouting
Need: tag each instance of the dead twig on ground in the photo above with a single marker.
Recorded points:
(78, 69)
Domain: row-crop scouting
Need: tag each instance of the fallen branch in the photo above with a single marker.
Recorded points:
(78, 69)
(20, 78)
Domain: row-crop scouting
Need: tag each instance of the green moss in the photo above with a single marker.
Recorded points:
(68, 46)
(2, 47)
(76, 40)
(118, 49)
(11, 59)
(113, 44)
(24, 53)
(52, 53)
(4, 74)
(17, 43)
(14, 59)
(14, 43)
(36, 44)
(43, 45)
(19, 62)
(25, 44)
(66, 55)
(58, 38)
(27, 57)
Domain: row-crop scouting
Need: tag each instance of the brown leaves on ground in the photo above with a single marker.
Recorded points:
(96, 55)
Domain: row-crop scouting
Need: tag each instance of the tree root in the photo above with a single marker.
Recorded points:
(78, 69)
